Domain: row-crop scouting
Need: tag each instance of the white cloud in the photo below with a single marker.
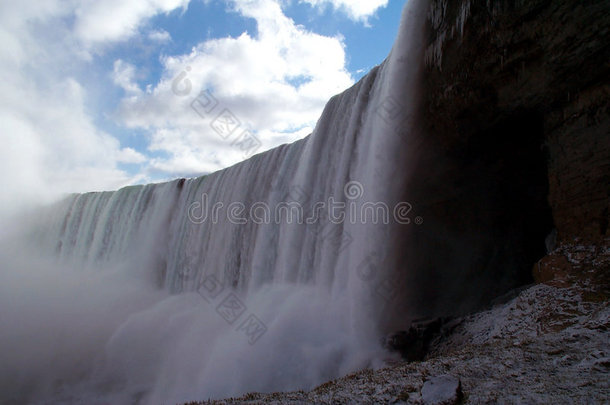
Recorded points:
(130, 155)
(159, 36)
(359, 10)
(50, 143)
(115, 20)
(123, 75)
(51, 146)
(53, 92)
(275, 83)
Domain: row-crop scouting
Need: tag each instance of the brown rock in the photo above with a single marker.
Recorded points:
(552, 270)
(545, 58)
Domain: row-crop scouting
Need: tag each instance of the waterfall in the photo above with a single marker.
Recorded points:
(275, 274)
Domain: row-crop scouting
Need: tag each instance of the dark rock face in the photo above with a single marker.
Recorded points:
(550, 59)
(415, 343)
(517, 124)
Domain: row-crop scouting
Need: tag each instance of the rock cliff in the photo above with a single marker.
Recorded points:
(515, 161)
(545, 66)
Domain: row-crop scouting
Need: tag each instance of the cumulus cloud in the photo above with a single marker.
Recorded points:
(51, 144)
(114, 20)
(54, 91)
(159, 36)
(124, 76)
(274, 85)
(359, 10)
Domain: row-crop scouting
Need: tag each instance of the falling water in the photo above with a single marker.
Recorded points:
(242, 280)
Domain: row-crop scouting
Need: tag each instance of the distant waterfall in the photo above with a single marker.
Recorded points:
(277, 271)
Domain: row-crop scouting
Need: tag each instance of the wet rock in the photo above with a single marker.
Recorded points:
(414, 343)
(553, 270)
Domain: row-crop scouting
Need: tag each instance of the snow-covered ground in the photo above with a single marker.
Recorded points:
(548, 345)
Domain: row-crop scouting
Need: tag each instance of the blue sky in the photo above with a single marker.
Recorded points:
(98, 95)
